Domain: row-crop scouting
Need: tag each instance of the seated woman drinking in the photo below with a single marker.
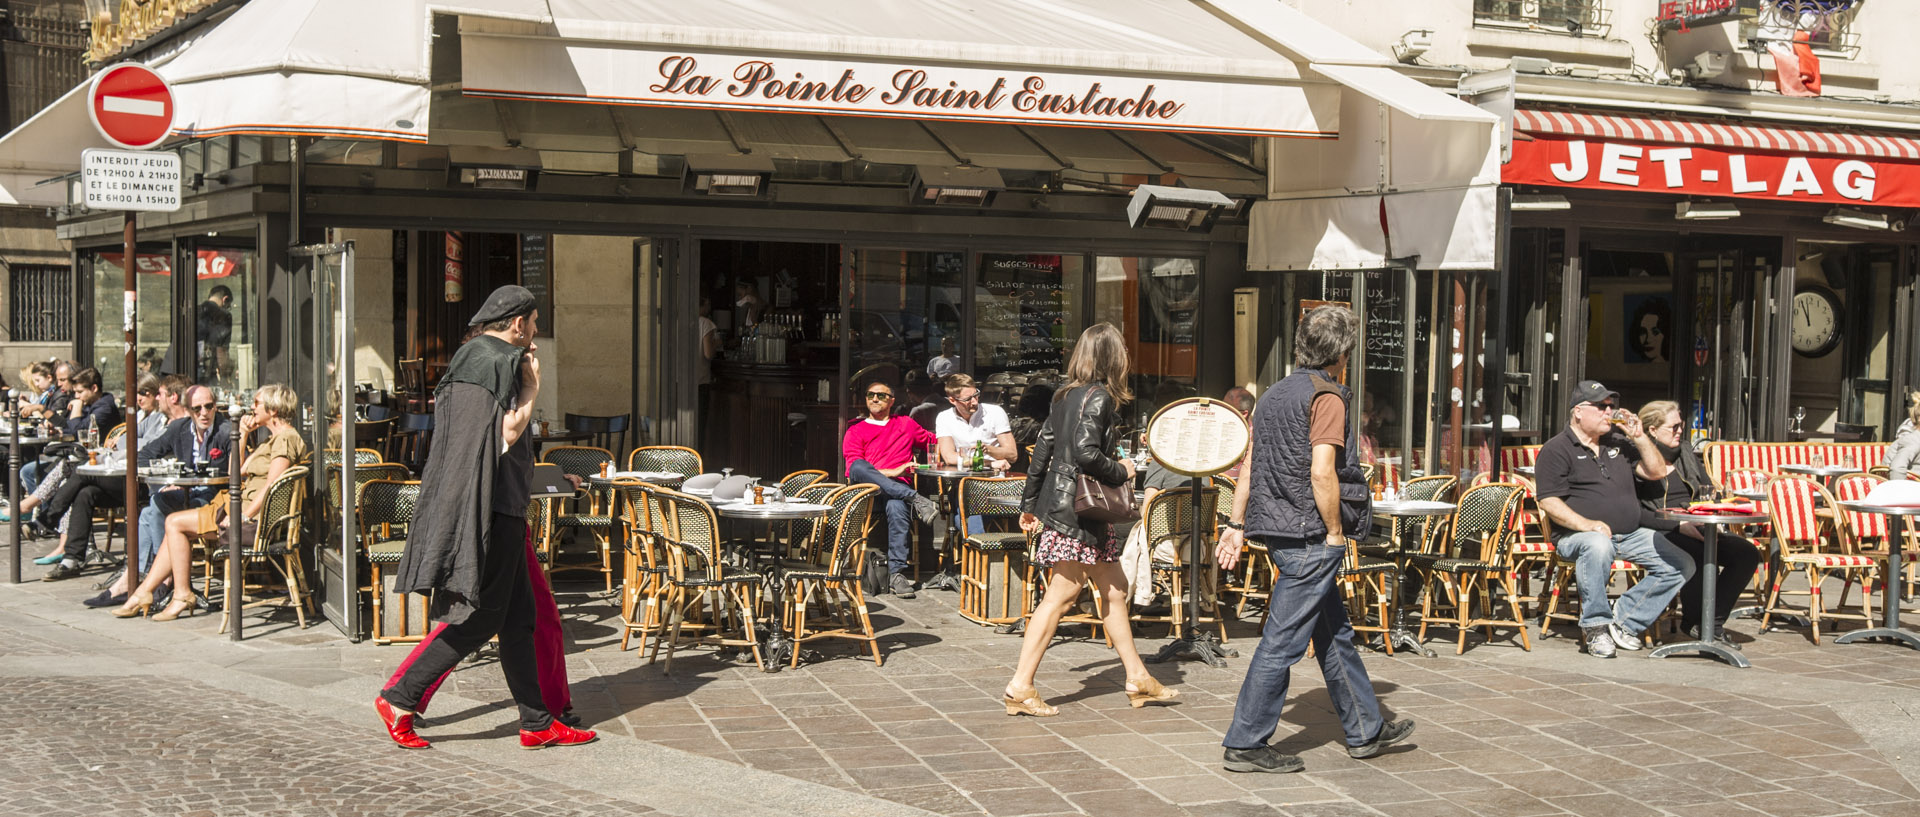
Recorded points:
(273, 407)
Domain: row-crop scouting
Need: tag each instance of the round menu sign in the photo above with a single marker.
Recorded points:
(1198, 436)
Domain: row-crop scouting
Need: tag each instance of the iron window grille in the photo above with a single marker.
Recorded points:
(42, 303)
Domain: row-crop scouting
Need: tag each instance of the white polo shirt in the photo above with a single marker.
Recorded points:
(986, 425)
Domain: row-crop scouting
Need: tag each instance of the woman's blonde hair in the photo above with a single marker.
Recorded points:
(1653, 414)
(279, 399)
(1100, 355)
(1913, 407)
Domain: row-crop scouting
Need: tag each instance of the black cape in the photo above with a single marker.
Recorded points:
(447, 542)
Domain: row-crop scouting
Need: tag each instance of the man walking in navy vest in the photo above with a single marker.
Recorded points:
(1303, 494)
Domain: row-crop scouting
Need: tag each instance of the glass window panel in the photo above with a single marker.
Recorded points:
(226, 332)
(344, 152)
(153, 324)
(906, 309)
(247, 150)
(1156, 304)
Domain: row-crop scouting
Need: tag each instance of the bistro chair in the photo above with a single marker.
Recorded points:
(1476, 554)
(1863, 533)
(386, 512)
(1803, 542)
(609, 432)
(699, 580)
(410, 386)
(585, 461)
(1169, 517)
(676, 459)
(412, 436)
(276, 546)
(361, 456)
(993, 562)
(833, 576)
(792, 483)
(1364, 583)
(375, 412)
(373, 434)
(802, 533)
(643, 587)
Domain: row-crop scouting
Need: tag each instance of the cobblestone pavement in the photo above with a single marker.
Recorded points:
(1810, 730)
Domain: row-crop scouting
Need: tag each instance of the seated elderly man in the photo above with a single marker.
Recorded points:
(879, 451)
(1585, 482)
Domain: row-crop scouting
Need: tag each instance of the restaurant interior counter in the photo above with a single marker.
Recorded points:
(767, 420)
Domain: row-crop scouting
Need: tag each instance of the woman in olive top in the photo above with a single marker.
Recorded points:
(273, 404)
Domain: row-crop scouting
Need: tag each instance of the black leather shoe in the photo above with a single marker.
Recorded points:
(61, 571)
(1263, 759)
(105, 599)
(1391, 732)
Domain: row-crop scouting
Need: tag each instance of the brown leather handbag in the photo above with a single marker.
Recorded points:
(1095, 500)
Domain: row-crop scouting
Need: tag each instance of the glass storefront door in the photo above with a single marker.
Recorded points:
(1156, 303)
(225, 331)
(1842, 342)
(153, 327)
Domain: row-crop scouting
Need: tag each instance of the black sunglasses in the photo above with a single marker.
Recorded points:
(201, 407)
(881, 395)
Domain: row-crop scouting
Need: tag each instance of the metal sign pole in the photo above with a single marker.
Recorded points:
(13, 485)
(237, 444)
(129, 310)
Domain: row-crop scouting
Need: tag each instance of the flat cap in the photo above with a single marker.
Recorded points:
(510, 301)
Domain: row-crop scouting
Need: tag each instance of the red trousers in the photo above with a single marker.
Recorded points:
(549, 649)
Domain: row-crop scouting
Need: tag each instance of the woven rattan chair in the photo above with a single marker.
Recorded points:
(386, 513)
(791, 484)
(832, 578)
(643, 585)
(699, 581)
(596, 519)
(1169, 517)
(1364, 583)
(801, 533)
(1808, 541)
(276, 546)
(677, 459)
(1000, 549)
(1475, 556)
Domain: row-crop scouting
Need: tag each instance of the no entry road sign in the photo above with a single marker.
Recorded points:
(131, 105)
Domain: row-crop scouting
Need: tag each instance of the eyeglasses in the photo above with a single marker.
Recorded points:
(1602, 406)
(971, 398)
(201, 407)
(1673, 426)
(879, 395)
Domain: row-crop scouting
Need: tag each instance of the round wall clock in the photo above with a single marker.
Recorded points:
(1816, 320)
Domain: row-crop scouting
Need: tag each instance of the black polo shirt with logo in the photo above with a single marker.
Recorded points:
(1600, 487)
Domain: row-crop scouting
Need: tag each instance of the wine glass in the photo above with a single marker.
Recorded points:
(1799, 418)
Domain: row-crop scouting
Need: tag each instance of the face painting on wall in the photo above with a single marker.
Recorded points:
(1648, 328)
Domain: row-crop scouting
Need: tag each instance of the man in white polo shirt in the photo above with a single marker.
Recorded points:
(973, 423)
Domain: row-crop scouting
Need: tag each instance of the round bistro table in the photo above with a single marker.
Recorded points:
(1706, 644)
(1397, 633)
(778, 645)
(947, 482)
(1891, 581)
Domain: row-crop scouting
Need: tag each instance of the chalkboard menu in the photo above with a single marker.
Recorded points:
(536, 274)
(1387, 330)
(1022, 313)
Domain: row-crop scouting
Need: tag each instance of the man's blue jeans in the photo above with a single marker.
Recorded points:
(1592, 555)
(1305, 607)
(898, 506)
(153, 516)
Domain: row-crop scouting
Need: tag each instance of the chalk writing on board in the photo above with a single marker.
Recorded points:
(536, 275)
(1021, 312)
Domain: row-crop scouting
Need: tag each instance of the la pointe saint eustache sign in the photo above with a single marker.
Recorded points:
(130, 179)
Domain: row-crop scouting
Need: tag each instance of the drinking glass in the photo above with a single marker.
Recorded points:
(1799, 418)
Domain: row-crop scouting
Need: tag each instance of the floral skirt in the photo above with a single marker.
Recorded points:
(1053, 546)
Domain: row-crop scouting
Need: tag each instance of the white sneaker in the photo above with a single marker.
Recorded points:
(1599, 641)
(1621, 638)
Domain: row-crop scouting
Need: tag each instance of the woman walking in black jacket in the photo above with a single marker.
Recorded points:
(1078, 439)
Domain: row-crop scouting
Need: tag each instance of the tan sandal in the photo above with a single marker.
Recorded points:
(1145, 689)
(1026, 701)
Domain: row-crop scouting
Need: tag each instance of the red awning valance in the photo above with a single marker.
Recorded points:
(1748, 136)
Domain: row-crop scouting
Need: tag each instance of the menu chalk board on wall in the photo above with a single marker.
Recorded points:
(536, 274)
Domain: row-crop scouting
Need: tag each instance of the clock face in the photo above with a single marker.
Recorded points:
(1816, 322)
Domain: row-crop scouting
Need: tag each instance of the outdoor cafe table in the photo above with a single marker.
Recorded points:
(776, 650)
(1706, 644)
(183, 480)
(664, 479)
(1824, 473)
(1398, 635)
(1892, 580)
(561, 437)
(947, 482)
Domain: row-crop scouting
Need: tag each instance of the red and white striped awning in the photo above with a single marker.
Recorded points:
(1720, 134)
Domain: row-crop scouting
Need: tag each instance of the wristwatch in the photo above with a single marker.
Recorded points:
(1239, 526)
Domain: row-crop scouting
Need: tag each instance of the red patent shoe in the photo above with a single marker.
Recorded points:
(558, 734)
(399, 725)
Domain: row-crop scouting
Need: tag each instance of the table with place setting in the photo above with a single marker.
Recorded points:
(777, 645)
(1892, 580)
(1398, 634)
(947, 483)
(1712, 518)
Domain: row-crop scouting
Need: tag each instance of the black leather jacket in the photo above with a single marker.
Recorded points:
(1071, 443)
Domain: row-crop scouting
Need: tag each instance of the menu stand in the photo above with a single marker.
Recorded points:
(1197, 437)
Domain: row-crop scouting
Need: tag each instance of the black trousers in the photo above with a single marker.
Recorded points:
(1737, 559)
(504, 608)
(82, 495)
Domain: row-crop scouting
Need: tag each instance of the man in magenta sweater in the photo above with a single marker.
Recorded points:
(879, 451)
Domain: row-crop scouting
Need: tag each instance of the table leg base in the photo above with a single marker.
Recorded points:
(948, 580)
(1011, 628)
(1403, 641)
(1879, 633)
(1723, 652)
(1749, 611)
(1202, 647)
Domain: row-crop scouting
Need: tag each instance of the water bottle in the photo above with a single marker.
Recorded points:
(93, 432)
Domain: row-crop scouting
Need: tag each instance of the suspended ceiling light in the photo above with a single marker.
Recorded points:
(1705, 210)
(1861, 219)
(1176, 208)
(1547, 201)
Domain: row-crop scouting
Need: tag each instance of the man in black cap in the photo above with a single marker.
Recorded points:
(1585, 482)
(466, 546)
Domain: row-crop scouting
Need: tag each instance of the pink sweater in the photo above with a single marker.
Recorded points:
(888, 446)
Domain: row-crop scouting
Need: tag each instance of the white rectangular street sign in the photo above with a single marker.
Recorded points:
(130, 179)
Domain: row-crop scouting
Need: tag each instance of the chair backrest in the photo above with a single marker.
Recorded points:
(641, 512)
(609, 432)
(363, 474)
(689, 533)
(1853, 433)
(386, 508)
(804, 535)
(372, 431)
(1484, 521)
(1791, 502)
(579, 460)
(678, 459)
(414, 422)
(410, 375)
(1747, 479)
(1426, 489)
(361, 456)
(991, 497)
(792, 483)
(376, 412)
(281, 513)
(1223, 499)
(846, 528)
(1169, 516)
(1856, 527)
(115, 433)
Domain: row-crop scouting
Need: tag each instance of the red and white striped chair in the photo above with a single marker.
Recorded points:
(1806, 542)
(1530, 550)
